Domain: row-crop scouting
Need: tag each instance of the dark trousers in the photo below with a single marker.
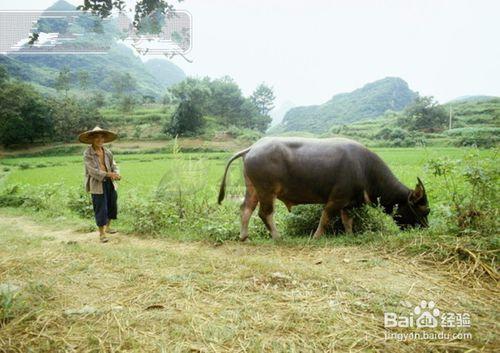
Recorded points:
(105, 205)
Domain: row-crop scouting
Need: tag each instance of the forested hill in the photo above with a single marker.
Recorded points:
(372, 100)
(100, 71)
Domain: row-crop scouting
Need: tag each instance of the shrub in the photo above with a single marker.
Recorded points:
(395, 137)
(80, 202)
(304, 219)
(10, 197)
(149, 216)
(474, 207)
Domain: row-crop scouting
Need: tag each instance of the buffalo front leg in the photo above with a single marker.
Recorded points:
(346, 221)
(266, 210)
(330, 208)
(247, 208)
(323, 221)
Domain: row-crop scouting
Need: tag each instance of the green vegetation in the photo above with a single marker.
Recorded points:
(173, 195)
(423, 114)
(370, 101)
(24, 114)
(474, 113)
(28, 117)
(151, 78)
(475, 123)
(222, 100)
(421, 120)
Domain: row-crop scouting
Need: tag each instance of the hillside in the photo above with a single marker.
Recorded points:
(483, 112)
(151, 78)
(469, 98)
(372, 100)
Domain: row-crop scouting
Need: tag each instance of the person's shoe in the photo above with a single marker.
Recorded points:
(103, 239)
(111, 231)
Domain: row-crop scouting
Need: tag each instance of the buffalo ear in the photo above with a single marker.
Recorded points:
(418, 193)
(421, 184)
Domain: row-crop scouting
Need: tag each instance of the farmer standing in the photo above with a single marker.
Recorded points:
(100, 175)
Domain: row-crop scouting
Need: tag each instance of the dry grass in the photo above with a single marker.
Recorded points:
(170, 296)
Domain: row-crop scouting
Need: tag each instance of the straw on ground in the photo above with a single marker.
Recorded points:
(141, 294)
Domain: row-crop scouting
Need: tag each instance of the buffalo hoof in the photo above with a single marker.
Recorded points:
(244, 239)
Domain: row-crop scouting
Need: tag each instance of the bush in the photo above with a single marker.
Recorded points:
(474, 208)
(485, 137)
(395, 137)
(10, 197)
(478, 141)
(80, 203)
(304, 219)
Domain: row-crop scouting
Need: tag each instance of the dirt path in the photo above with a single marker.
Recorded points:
(153, 294)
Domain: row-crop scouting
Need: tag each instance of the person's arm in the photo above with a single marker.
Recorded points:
(114, 166)
(94, 172)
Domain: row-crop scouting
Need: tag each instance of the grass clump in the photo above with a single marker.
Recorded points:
(304, 219)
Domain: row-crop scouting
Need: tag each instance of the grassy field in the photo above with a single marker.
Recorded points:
(174, 280)
(142, 173)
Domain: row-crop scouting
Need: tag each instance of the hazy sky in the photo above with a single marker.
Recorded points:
(311, 50)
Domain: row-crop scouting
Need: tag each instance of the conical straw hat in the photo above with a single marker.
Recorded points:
(88, 136)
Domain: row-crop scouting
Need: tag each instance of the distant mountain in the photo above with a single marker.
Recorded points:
(61, 5)
(480, 98)
(151, 78)
(278, 113)
(369, 101)
(164, 71)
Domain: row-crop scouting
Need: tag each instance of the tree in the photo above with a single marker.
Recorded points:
(252, 117)
(187, 119)
(127, 104)
(98, 100)
(167, 99)
(71, 116)
(25, 115)
(263, 98)
(226, 101)
(122, 83)
(144, 9)
(195, 90)
(83, 79)
(4, 76)
(63, 80)
(222, 99)
(424, 114)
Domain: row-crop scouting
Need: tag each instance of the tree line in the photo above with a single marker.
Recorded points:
(27, 116)
(221, 99)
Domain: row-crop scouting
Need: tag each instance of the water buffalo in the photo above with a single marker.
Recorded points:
(337, 172)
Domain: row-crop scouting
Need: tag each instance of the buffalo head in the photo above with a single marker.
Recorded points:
(414, 212)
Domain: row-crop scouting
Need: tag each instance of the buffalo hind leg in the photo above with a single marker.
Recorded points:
(247, 208)
(266, 210)
(346, 221)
